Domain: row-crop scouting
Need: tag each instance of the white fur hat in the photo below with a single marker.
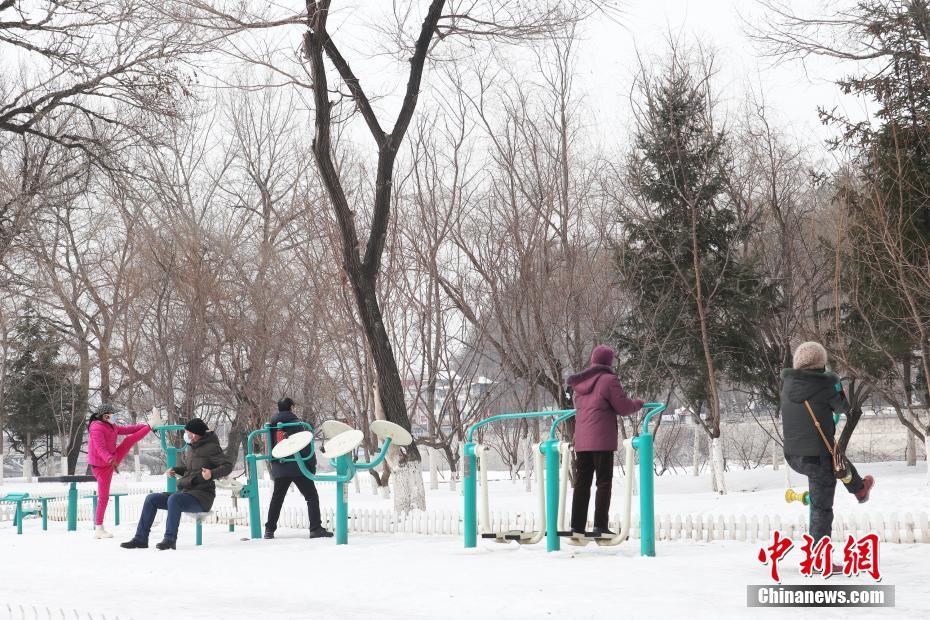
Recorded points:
(810, 355)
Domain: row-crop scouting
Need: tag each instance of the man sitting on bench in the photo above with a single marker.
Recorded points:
(204, 462)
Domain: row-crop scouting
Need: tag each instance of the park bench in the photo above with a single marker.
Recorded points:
(39, 507)
(115, 497)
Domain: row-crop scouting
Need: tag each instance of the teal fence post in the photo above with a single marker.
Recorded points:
(18, 517)
(551, 449)
(44, 502)
(116, 516)
(643, 443)
(646, 495)
(255, 509)
(470, 488)
(172, 462)
(72, 507)
(342, 512)
(199, 533)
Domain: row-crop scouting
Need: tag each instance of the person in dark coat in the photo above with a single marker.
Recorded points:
(205, 461)
(599, 399)
(284, 474)
(809, 384)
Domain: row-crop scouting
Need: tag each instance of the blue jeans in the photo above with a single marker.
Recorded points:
(174, 503)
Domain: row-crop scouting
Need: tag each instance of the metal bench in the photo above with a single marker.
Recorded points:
(115, 497)
(20, 512)
(226, 484)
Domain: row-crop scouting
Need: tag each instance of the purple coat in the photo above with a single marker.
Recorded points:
(599, 399)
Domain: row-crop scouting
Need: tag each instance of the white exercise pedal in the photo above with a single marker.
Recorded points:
(331, 428)
(343, 443)
(388, 430)
(290, 446)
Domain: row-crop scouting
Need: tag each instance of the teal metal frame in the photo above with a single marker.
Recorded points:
(171, 453)
(345, 471)
(470, 477)
(550, 448)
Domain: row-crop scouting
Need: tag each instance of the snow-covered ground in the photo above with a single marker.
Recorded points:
(395, 575)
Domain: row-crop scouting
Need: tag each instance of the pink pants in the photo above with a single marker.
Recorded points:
(105, 474)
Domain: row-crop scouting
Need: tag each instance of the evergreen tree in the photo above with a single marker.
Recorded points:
(887, 249)
(698, 292)
(38, 390)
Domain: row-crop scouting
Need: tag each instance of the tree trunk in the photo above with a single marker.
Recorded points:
(927, 454)
(64, 455)
(433, 469)
(27, 459)
(910, 448)
(529, 460)
(716, 446)
(696, 450)
(774, 455)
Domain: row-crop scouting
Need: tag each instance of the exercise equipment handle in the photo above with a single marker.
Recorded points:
(656, 408)
(512, 416)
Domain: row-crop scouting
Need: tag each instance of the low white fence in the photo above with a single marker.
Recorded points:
(907, 528)
(39, 612)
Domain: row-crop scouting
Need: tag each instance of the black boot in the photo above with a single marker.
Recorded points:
(269, 534)
(166, 544)
(320, 532)
(135, 543)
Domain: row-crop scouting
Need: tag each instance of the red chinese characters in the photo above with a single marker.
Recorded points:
(817, 558)
(775, 552)
(861, 556)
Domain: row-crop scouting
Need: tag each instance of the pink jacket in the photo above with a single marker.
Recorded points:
(101, 447)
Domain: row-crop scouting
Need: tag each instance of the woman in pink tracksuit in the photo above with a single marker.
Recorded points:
(104, 456)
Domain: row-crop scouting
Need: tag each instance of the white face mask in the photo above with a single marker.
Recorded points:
(187, 438)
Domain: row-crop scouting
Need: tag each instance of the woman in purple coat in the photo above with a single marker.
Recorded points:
(599, 399)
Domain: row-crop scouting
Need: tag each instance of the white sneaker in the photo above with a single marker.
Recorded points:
(155, 420)
(102, 533)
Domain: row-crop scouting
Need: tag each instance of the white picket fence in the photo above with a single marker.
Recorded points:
(40, 612)
(907, 528)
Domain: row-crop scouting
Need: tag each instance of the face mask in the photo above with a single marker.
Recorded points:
(187, 439)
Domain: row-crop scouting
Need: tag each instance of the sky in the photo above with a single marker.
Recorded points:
(607, 62)
(792, 89)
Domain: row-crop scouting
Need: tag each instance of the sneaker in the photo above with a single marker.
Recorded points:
(863, 494)
(166, 544)
(603, 531)
(135, 543)
(269, 535)
(320, 533)
(99, 533)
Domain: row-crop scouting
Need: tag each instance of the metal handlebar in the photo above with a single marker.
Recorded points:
(513, 416)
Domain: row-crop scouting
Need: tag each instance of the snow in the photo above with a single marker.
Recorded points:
(394, 576)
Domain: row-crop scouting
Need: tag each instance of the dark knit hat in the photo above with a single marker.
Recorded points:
(285, 404)
(603, 355)
(197, 426)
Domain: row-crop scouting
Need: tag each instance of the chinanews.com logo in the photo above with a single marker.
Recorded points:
(860, 557)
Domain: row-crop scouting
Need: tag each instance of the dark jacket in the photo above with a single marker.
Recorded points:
(205, 453)
(288, 470)
(823, 391)
(599, 399)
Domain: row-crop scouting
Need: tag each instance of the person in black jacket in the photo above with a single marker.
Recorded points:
(809, 389)
(205, 461)
(284, 474)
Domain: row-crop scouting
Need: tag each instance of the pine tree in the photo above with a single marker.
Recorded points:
(698, 294)
(39, 387)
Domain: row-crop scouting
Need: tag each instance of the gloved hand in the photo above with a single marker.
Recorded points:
(639, 403)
